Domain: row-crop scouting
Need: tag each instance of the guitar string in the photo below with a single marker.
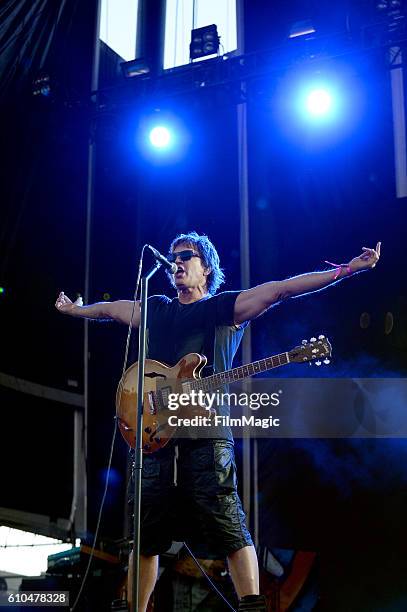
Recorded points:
(239, 373)
(247, 370)
(225, 377)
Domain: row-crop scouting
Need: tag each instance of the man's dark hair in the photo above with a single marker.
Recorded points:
(209, 255)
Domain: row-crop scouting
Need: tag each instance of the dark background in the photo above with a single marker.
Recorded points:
(315, 193)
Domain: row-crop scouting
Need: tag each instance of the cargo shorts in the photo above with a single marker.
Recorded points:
(192, 498)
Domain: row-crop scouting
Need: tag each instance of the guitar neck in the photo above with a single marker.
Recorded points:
(210, 383)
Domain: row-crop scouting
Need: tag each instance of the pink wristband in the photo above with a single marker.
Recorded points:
(339, 268)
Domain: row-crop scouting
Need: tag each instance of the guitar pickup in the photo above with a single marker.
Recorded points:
(152, 407)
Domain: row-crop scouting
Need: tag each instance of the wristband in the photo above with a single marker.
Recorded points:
(339, 268)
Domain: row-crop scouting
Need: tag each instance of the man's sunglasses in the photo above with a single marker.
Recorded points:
(183, 255)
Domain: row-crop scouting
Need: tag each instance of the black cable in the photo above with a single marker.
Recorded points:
(205, 575)
(126, 354)
(102, 503)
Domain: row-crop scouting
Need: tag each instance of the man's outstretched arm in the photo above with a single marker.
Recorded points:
(120, 311)
(253, 302)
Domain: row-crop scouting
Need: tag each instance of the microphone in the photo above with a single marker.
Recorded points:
(172, 267)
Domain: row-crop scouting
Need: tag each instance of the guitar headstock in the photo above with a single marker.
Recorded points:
(315, 349)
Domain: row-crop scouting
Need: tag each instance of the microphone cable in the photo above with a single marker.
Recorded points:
(102, 503)
(205, 575)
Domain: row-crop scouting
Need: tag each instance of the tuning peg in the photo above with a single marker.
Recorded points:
(304, 342)
(321, 337)
(313, 339)
(326, 361)
(318, 363)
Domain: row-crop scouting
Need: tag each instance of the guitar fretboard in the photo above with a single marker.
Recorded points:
(222, 378)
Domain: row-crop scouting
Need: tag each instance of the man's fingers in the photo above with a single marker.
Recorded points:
(376, 250)
(370, 252)
(63, 301)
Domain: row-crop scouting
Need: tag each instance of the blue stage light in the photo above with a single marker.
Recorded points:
(160, 137)
(319, 102)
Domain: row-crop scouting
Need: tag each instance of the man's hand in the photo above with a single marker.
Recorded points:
(253, 302)
(366, 260)
(120, 310)
(66, 306)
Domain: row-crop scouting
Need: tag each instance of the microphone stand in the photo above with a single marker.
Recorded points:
(138, 459)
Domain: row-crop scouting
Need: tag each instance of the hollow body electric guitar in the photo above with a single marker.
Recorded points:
(160, 381)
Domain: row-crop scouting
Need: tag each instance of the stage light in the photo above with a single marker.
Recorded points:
(319, 102)
(160, 137)
(41, 86)
(204, 41)
(318, 106)
(135, 68)
(301, 28)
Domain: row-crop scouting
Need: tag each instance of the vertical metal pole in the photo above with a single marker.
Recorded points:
(245, 279)
(82, 471)
(240, 26)
(255, 531)
(399, 120)
(150, 33)
(244, 249)
(138, 456)
(77, 519)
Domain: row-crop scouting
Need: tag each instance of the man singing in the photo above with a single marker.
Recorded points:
(201, 321)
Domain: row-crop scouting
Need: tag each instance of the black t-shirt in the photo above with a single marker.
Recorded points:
(206, 327)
